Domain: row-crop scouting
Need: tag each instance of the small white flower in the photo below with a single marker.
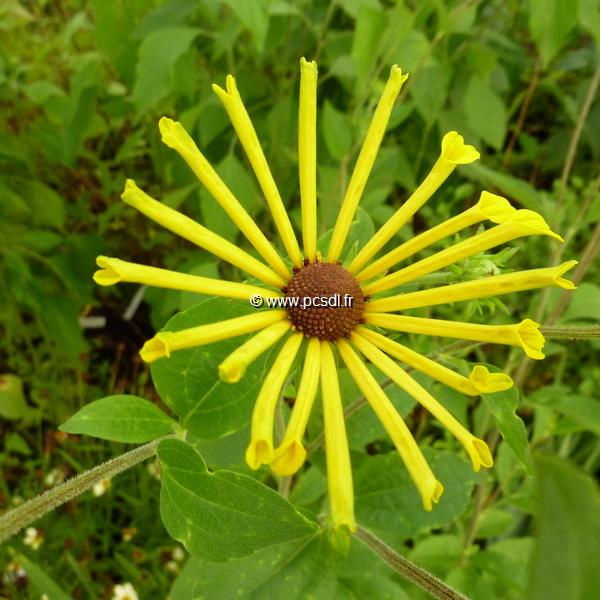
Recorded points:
(54, 477)
(33, 538)
(124, 591)
(101, 487)
(178, 553)
(172, 566)
(154, 470)
(13, 572)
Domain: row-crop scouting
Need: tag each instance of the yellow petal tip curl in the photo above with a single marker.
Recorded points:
(131, 189)
(397, 75)
(559, 280)
(175, 136)
(433, 496)
(495, 208)
(107, 274)
(288, 458)
(259, 452)
(155, 348)
(532, 340)
(480, 454)
(455, 151)
(231, 371)
(534, 223)
(488, 383)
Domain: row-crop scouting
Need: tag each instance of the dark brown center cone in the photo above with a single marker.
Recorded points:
(330, 303)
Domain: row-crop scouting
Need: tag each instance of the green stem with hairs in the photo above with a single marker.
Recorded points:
(14, 520)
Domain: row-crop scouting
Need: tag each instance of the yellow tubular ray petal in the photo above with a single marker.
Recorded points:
(480, 381)
(192, 231)
(365, 161)
(260, 448)
(525, 334)
(165, 342)
(339, 470)
(290, 455)
(488, 383)
(477, 449)
(454, 152)
(521, 223)
(430, 489)
(176, 137)
(490, 206)
(233, 368)
(246, 133)
(115, 270)
(494, 285)
(307, 155)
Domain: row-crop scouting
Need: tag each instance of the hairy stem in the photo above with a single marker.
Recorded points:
(17, 518)
(435, 587)
(571, 333)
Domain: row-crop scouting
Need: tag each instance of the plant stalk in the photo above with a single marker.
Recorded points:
(14, 520)
(435, 587)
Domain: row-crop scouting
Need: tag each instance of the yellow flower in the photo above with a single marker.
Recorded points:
(310, 284)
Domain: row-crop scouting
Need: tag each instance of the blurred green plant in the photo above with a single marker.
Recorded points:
(82, 85)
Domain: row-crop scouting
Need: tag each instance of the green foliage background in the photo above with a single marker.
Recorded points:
(82, 86)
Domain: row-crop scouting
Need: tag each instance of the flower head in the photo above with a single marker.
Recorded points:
(305, 325)
(124, 591)
(34, 538)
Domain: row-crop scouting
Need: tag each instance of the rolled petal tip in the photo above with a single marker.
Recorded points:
(454, 149)
(155, 348)
(108, 273)
(308, 64)
(532, 340)
(432, 495)
(480, 454)
(396, 74)
(130, 192)
(231, 371)
(534, 223)
(560, 281)
(495, 208)
(488, 383)
(259, 452)
(288, 458)
(174, 135)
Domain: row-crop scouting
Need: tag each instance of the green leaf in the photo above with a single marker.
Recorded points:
(120, 418)
(188, 382)
(429, 88)
(367, 39)
(222, 515)
(582, 410)
(298, 569)
(585, 304)
(589, 18)
(503, 406)
(13, 404)
(550, 22)
(336, 131)
(486, 114)
(387, 501)
(308, 568)
(41, 580)
(255, 18)
(157, 56)
(565, 562)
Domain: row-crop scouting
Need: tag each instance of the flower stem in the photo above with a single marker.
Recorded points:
(571, 333)
(435, 587)
(17, 518)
